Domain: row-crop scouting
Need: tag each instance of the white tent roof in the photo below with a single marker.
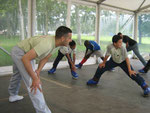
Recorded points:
(127, 5)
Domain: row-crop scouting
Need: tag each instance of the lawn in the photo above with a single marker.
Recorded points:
(8, 43)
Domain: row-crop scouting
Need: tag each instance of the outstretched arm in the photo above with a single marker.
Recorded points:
(86, 52)
(127, 45)
(72, 65)
(26, 61)
(74, 58)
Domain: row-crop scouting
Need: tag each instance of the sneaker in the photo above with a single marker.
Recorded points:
(79, 66)
(112, 69)
(146, 91)
(15, 98)
(92, 82)
(51, 71)
(141, 71)
(74, 75)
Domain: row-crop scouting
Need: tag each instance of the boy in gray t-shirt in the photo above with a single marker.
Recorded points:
(118, 58)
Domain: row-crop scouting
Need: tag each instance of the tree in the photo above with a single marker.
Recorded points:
(78, 28)
(21, 21)
(144, 26)
(9, 16)
(50, 15)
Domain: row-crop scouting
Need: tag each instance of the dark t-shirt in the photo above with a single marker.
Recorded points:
(130, 41)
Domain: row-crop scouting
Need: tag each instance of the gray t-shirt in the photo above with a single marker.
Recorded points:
(118, 55)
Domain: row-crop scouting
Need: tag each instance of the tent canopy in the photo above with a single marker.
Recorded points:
(127, 5)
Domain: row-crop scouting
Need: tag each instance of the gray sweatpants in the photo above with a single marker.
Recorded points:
(137, 53)
(21, 73)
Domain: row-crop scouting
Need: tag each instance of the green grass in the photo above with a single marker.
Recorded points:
(7, 43)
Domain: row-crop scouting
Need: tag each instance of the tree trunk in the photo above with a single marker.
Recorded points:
(117, 22)
(21, 20)
(46, 26)
(46, 18)
(78, 26)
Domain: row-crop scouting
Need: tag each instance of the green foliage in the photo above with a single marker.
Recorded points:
(145, 24)
(9, 19)
(87, 18)
(51, 13)
(7, 44)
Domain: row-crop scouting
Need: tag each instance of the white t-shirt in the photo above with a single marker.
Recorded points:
(64, 50)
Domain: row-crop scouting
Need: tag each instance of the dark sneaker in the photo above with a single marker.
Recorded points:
(141, 71)
(51, 71)
(147, 91)
(79, 66)
(92, 82)
(74, 75)
(112, 69)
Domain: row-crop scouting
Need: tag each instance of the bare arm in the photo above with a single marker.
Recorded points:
(42, 63)
(74, 58)
(26, 61)
(86, 52)
(72, 65)
(127, 44)
(68, 57)
(35, 79)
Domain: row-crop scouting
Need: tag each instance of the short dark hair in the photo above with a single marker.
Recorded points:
(116, 38)
(61, 31)
(72, 43)
(119, 33)
(86, 42)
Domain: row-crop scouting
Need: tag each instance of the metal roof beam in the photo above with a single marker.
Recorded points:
(117, 7)
(100, 1)
(145, 7)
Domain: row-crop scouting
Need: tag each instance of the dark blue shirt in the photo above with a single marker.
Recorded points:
(93, 46)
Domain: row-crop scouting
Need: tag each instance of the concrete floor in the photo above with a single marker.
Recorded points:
(115, 93)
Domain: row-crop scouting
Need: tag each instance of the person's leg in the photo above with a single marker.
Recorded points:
(109, 65)
(58, 59)
(83, 60)
(138, 79)
(14, 85)
(15, 80)
(38, 98)
(137, 53)
(147, 67)
(99, 53)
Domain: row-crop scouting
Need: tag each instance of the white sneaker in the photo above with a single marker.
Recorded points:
(15, 98)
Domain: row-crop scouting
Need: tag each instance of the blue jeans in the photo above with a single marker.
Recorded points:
(111, 64)
(135, 49)
(58, 59)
